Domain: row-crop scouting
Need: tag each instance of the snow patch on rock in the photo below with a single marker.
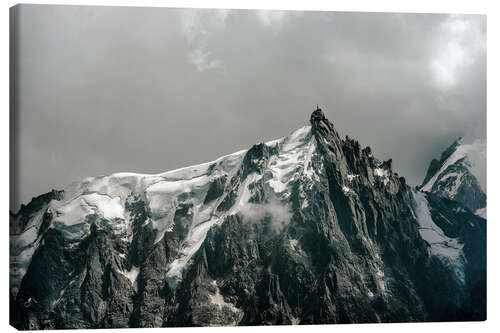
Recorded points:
(132, 275)
(294, 156)
(218, 300)
(447, 249)
(383, 174)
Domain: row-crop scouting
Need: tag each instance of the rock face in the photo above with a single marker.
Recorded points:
(307, 229)
(460, 175)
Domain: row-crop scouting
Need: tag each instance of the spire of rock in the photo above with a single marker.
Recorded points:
(322, 127)
(317, 115)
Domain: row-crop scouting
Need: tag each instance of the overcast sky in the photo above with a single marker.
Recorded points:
(109, 89)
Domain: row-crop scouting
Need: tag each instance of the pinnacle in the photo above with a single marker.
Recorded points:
(317, 115)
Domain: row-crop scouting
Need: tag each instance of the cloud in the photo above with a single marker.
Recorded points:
(202, 60)
(278, 214)
(197, 25)
(271, 18)
(460, 45)
(110, 89)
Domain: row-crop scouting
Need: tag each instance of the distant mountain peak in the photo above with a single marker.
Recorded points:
(460, 174)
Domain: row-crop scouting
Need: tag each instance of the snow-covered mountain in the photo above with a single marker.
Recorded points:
(460, 174)
(306, 229)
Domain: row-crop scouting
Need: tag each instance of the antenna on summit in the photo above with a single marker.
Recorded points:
(317, 107)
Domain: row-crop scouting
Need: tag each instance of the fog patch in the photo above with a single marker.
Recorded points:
(278, 214)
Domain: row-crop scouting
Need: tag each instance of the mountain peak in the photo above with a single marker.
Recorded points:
(318, 121)
(317, 115)
(450, 150)
(242, 238)
(460, 174)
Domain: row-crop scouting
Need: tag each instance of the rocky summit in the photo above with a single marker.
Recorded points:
(307, 229)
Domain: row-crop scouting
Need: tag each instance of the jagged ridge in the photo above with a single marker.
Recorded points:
(310, 228)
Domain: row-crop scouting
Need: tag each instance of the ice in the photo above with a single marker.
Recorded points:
(449, 175)
(71, 218)
(449, 250)
(73, 213)
(452, 191)
(218, 300)
(164, 223)
(162, 194)
(225, 163)
(295, 151)
(188, 185)
(379, 279)
(308, 168)
(275, 142)
(193, 241)
(132, 275)
(351, 177)
(108, 194)
(382, 173)
(475, 154)
(102, 199)
(109, 208)
(30, 234)
(305, 204)
(244, 192)
(163, 197)
(276, 184)
(295, 246)
(121, 185)
(379, 172)
(27, 237)
(204, 218)
(477, 162)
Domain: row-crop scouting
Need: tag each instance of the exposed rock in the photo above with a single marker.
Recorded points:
(308, 229)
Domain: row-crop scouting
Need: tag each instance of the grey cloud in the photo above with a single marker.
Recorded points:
(105, 89)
